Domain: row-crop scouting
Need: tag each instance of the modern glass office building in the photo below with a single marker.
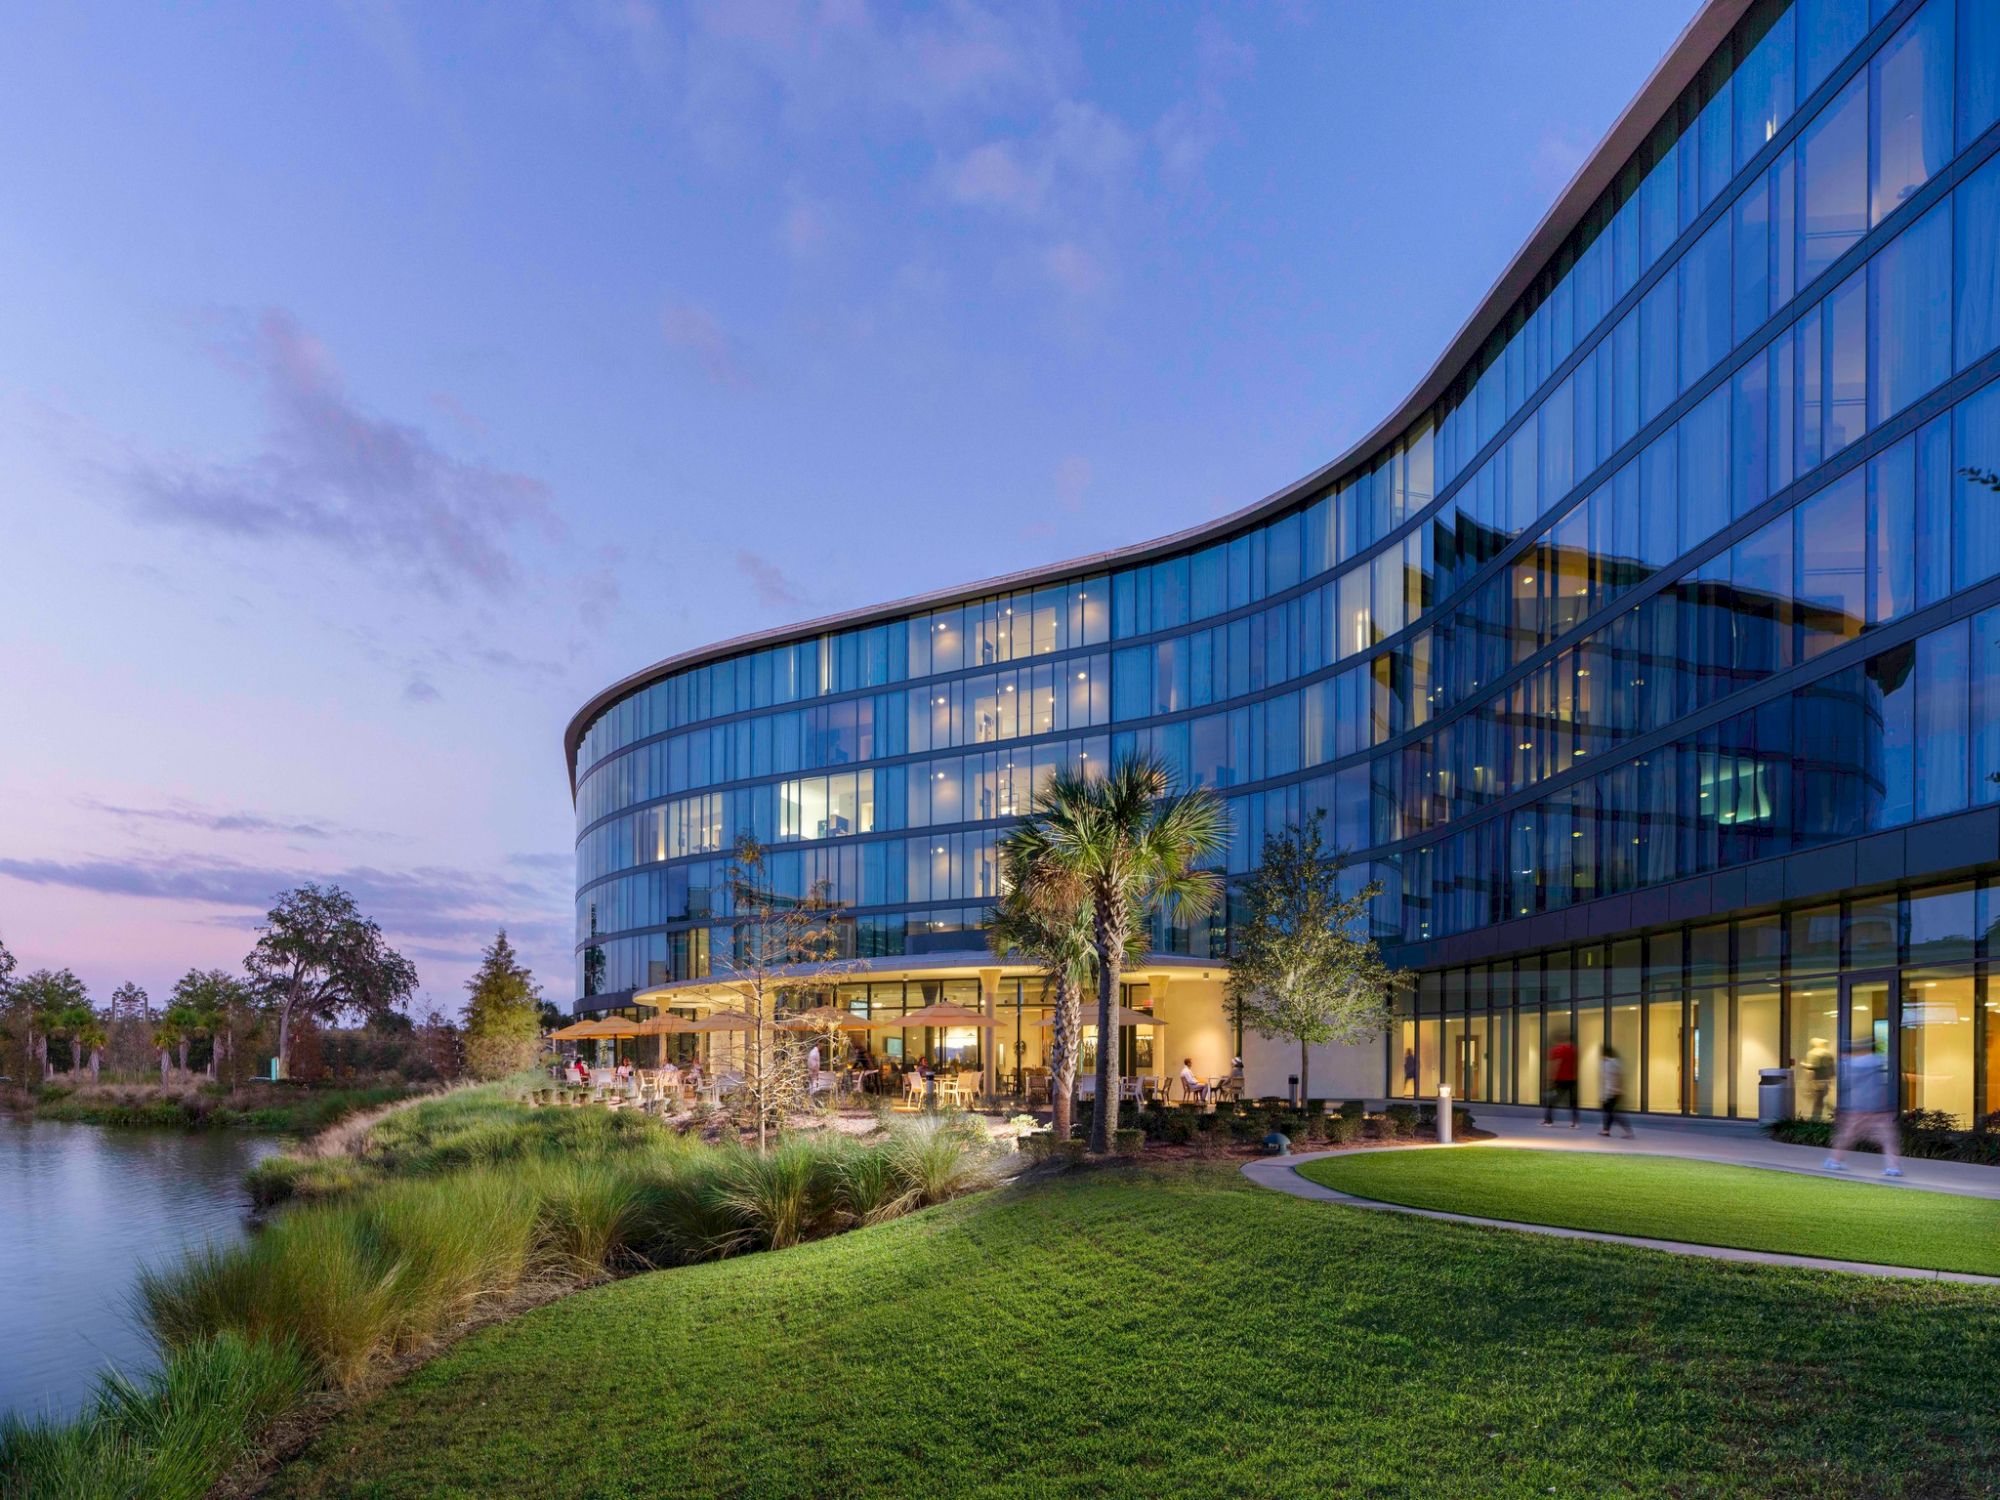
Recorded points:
(1649, 655)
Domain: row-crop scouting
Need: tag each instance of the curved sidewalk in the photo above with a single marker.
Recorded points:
(1280, 1174)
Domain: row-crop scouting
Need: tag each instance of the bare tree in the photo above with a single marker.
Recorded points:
(773, 937)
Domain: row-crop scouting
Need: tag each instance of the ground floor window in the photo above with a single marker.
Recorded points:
(1697, 1015)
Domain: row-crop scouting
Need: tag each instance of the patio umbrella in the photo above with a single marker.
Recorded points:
(578, 1031)
(666, 1023)
(724, 1020)
(1126, 1017)
(824, 1018)
(940, 1014)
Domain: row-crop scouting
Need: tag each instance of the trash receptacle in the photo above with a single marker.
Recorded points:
(1774, 1095)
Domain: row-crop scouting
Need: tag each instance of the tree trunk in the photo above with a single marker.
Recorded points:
(75, 1055)
(184, 1054)
(1305, 1075)
(96, 1062)
(284, 1041)
(1110, 968)
(164, 1062)
(1062, 1077)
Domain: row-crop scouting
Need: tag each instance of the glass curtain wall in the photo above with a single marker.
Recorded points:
(1697, 1014)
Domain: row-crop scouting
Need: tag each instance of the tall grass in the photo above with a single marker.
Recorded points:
(456, 1207)
(170, 1437)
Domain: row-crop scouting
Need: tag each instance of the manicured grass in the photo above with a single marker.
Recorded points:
(1159, 1330)
(1663, 1198)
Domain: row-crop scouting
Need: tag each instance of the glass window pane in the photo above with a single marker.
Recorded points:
(1833, 181)
(1828, 31)
(1976, 275)
(1911, 95)
(1978, 68)
(1909, 289)
(1937, 1045)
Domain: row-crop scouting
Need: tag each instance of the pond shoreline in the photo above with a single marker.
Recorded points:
(201, 1106)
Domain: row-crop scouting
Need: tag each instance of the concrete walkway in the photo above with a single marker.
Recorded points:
(1280, 1174)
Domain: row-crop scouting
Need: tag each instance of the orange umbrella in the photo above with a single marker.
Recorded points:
(724, 1020)
(588, 1030)
(666, 1023)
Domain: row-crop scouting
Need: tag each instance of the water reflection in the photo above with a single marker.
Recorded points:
(82, 1208)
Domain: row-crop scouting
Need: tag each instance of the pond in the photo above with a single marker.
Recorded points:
(82, 1209)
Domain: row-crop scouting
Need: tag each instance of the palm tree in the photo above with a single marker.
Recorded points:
(91, 1034)
(1049, 922)
(1120, 847)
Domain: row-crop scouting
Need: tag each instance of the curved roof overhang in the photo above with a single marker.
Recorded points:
(1702, 35)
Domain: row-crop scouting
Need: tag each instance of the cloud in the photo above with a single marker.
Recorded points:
(1073, 477)
(1188, 133)
(1559, 155)
(1064, 168)
(191, 815)
(1076, 270)
(806, 230)
(841, 60)
(772, 586)
(994, 176)
(438, 904)
(420, 689)
(695, 329)
(368, 488)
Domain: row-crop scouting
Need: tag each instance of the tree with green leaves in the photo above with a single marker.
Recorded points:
(1052, 929)
(503, 1019)
(317, 956)
(1123, 846)
(207, 1003)
(1301, 966)
(48, 1000)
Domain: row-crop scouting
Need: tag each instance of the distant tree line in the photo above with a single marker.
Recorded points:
(320, 989)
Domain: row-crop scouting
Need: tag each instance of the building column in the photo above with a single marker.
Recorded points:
(989, 1046)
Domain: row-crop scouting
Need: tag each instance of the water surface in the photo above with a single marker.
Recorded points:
(82, 1208)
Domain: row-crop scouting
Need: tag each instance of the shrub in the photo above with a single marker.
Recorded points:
(1129, 1142)
(1343, 1130)
(1352, 1109)
(1403, 1119)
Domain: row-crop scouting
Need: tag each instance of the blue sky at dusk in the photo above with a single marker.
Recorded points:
(381, 380)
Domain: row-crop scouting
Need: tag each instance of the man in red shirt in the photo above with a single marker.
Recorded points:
(1562, 1081)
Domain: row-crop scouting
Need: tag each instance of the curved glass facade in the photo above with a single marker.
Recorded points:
(1692, 571)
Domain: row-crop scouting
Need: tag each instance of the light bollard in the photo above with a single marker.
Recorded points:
(1444, 1114)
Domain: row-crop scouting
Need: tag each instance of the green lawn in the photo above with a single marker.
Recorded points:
(1167, 1331)
(1663, 1198)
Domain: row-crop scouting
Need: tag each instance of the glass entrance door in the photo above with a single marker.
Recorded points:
(1867, 1020)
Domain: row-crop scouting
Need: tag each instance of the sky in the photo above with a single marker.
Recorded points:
(379, 380)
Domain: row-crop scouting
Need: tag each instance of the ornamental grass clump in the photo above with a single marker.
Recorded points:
(939, 1157)
(168, 1437)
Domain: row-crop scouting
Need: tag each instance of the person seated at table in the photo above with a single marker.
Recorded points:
(623, 1072)
(694, 1073)
(583, 1072)
(924, 1066)
(1190, 1084)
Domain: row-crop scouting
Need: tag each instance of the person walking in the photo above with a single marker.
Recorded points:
(1865, 1109)
(1820, 1066)
(1410, 1071)
(1562, 1082)
(1611, 1081)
